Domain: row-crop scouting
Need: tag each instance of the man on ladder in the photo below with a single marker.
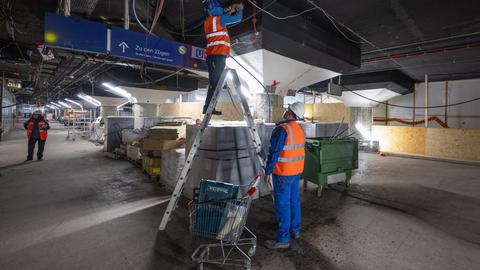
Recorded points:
(218, 41)
(285, 162)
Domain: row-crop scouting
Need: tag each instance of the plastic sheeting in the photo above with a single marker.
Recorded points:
(314, 130)
(172, 163)
(113, 131)
(130, 135)
(226, 154)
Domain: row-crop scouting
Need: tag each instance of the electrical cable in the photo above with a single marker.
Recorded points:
(358, 35)
(329, 17)
(11, 105)
(158, 12)
(138, 20)
(147, 83)
(278, 17)
(413, 107)
(334, 23)
(190, 29)
(266, 90)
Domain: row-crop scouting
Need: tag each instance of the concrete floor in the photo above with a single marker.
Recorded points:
(80, 210)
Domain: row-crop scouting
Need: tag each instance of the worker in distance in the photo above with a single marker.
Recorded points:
(218, 41)
(37, 131)
(284, 166)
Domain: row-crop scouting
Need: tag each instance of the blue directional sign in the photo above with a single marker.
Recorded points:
(148, 48)
(76, 34)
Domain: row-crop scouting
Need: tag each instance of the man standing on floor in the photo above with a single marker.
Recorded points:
(218, 41)
(285, 163)
(37, 131)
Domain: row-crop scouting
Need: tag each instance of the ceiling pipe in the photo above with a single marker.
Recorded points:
(66, 7)
(126, 17)
(423, 52)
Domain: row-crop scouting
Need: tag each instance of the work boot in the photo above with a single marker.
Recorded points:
(28, 159)
(272, 244)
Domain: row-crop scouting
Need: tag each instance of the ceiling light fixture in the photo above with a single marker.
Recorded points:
(119, 107)
(90, 99)
(74, 102)
(56, 104)
(64, 104)
(119, 91)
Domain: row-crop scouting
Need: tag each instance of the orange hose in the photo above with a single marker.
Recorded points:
(157, 15)
(432, 118)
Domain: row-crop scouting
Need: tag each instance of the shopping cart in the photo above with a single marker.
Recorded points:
(224, 219)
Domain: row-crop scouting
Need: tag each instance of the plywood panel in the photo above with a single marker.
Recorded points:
(328, 112)
(400, 139)
(453, 143)
(194, 110)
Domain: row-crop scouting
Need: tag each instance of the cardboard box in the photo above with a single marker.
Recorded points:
(151, 165)
(158, 145)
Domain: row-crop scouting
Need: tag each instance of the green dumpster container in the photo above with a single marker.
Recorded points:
(325, 156)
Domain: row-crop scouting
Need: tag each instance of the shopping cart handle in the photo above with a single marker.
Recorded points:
(253, 187)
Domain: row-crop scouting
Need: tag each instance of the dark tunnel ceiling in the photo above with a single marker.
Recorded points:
(441, 38)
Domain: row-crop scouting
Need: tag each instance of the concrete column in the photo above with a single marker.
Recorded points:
(1, 104)
(141, 110)
(265, 110)
(426, 100)
(144, 110)
(108, 111)
(361, 121)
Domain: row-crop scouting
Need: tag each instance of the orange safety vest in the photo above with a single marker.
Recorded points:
(218, 41)
(43, 133)
(292, 157)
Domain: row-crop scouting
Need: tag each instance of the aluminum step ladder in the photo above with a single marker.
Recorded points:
(228, 76)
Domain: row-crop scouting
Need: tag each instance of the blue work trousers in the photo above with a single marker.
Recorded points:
(287, 206)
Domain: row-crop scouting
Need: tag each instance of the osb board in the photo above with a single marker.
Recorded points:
(453, 143)
(400, 139)
(277, 114)
(328, 112)
(194, 110)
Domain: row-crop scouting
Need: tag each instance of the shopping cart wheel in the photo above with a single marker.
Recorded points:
(319, 190)
(248, 265)
(200, 266)
(347, 183)
(252, 250)
(204, 255)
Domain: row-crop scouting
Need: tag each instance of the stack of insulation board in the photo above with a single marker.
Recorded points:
(164, 136)
(172, 163)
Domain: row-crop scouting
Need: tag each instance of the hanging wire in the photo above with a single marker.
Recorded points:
(413, 107)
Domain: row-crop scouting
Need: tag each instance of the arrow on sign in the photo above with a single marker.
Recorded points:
(124, 46)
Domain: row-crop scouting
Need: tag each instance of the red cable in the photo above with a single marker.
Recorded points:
(158, 11)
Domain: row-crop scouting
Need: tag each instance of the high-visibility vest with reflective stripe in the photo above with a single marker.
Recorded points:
(42, 133)
(218, 41)
(291, 160)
